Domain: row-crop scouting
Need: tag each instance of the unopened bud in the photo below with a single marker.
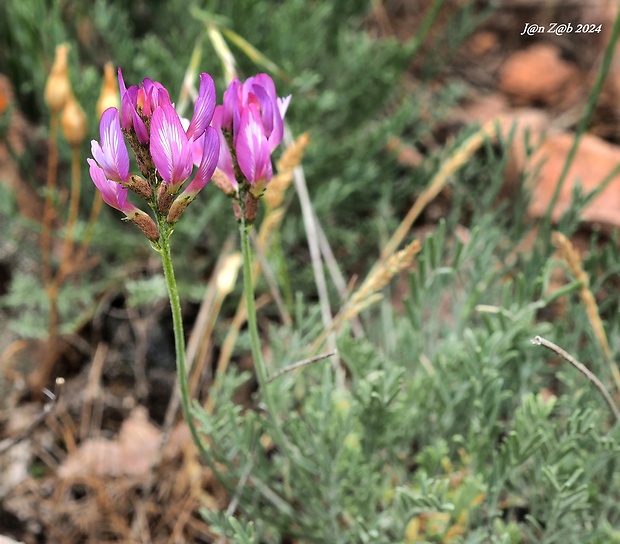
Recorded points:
(139, 186)
(164, 198)
(178, 207)
(58, 86)
(251, 207)
(109, 90)
(73, 121)
(146, 224)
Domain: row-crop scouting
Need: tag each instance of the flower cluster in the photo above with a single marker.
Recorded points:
(237, 138)
(251, 125)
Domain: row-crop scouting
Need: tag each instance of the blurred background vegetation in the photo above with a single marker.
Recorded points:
(452, 427)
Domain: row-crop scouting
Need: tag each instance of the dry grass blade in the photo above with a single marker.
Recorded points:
(573, 260)
(540, 341)
(449, 167)
(300, 364)
(379, 278)
(368, 293)
(254, 54)
(223, 52)
(291, 158)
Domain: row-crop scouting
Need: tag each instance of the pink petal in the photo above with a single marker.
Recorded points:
(253, 153)
(170, 149)
(224, 163)
(111, 154)
(210, 156)
(203, 108)
(114, 194)
(230, 105)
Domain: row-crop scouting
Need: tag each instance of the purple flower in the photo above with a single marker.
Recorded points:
(149, 112)
(259, 90)
(203, 108)
(111, 153)
(175, 145)
(208, 163)
(115, 195)
(254, 115)
(138, 104)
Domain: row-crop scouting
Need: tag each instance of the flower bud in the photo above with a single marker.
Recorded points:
(73, 121)
(146, 224)
(164, 198)
(58, 86)
(178, 207)
(251, 207)
(139, 186)
(109, 91)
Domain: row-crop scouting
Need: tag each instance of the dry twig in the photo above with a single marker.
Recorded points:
(540, 341)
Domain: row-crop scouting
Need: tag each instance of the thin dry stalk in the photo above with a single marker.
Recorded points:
(540, 341)
(310, 226)
(439, 181)
(368, 292)
(88, 232)
(265, 267)
(48, 209)
(74, 203)
(291, 158)
(90, 422)
(300, 364)
(573, 260)
(70, 261)
(223, 52)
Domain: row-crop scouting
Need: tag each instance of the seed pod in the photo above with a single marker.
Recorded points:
(58, 86)
(109, 90)
(73, 121)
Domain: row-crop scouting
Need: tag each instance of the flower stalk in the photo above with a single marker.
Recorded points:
(237, 138)
(259, 363)
(163, 247)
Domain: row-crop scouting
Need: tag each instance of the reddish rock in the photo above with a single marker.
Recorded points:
(594, 161)
(538, 75)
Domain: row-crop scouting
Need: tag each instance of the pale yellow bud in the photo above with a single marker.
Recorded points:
(109, 91)
(58, 86)
(73, 121)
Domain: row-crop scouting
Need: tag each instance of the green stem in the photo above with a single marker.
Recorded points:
(177, 324)
(248, 291)
(259, 364)
(163, 247)
(179, 345)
